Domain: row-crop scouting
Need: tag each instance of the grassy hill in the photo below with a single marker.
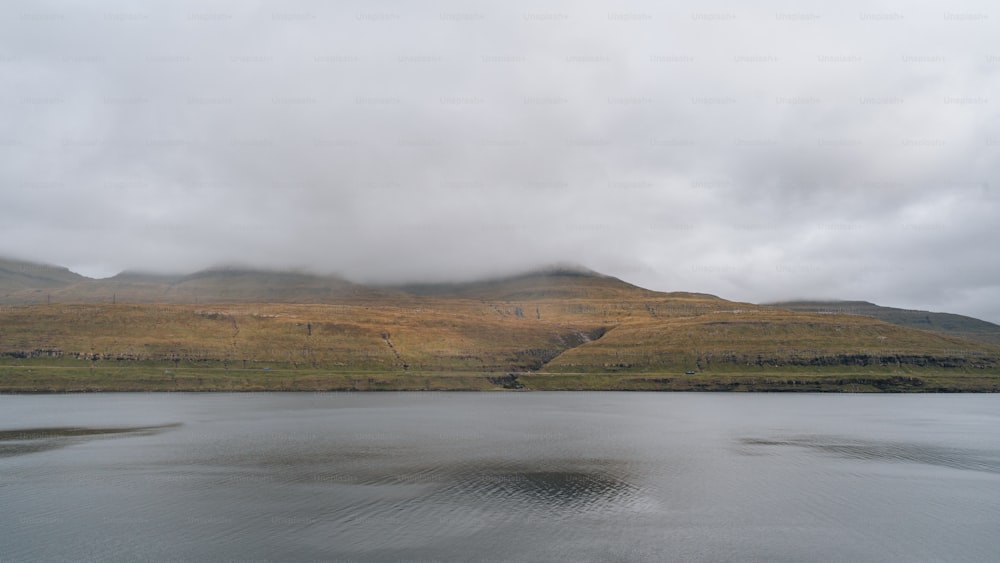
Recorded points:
(553, 283)
(944, 323)
(220, 285)
(554, 329)
(29, 282)
(726, 341)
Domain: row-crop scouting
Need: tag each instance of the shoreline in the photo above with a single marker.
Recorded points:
(39, 379)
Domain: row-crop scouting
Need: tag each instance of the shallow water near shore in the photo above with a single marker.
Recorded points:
(596, 476)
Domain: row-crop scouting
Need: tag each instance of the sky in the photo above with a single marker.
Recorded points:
(782, 150)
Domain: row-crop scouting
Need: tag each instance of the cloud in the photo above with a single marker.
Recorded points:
(755, 153)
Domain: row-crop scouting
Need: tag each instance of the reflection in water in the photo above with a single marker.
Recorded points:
(31, 440)
(467, 499)
(552, 487)
(572, 490)
(908, 452)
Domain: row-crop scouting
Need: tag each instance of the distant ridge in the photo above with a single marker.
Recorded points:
(24, 283)
(557, 281)
(261, 285)
(19, 274)
(557, 328)
(942, 323)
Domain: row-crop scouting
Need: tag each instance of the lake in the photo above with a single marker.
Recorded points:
(595, 476)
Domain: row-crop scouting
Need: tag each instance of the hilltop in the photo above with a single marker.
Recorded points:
(18, 276)
(559, 328)
(215, 285)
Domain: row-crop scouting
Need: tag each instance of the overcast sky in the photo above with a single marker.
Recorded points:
(787, 150)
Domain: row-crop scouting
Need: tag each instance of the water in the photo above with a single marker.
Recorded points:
(499, 477)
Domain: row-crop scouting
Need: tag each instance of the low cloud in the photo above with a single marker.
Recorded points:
(753, 153)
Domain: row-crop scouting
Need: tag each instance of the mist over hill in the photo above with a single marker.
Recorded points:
(569, 322)
(19, 274)
(24, 282)
(755, 152)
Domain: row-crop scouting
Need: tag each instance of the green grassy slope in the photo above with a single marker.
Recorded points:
(727, 341)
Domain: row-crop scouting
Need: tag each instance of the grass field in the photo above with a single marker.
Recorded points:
(39, 377)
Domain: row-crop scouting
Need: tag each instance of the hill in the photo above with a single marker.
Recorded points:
(18, 276)
(245, 329)
(553, 283)
(217, 285)
(943, 323)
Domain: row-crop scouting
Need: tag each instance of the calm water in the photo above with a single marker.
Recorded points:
(490, 477)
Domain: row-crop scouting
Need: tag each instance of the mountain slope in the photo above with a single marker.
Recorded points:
(741, 341)
(213, 285)
(553, 283)
(226, 325)
(268, 286)
(943, 323)
(18, 275)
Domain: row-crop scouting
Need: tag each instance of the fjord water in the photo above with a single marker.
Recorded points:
(499, 476)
